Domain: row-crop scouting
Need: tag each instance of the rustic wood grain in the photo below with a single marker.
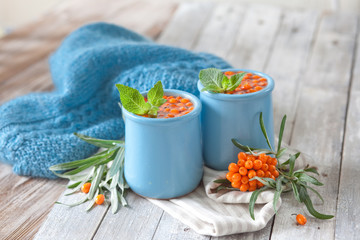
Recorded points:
(348, 211)
(319, 125)
(184, 27)
(218, 34)
(256, 37)
(137, 221)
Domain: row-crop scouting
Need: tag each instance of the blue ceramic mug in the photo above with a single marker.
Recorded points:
(163, 157)
(227, 116)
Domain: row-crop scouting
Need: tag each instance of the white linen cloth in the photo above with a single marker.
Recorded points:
(222, 213)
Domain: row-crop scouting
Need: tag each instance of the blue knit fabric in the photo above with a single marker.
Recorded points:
(36, 130)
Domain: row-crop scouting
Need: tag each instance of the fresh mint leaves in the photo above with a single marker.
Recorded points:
(214, 80)
(134, 102)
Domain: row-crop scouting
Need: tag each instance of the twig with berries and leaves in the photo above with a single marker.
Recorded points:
(289, 179)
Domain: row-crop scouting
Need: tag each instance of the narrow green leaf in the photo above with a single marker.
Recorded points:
(235, 81)
(282, 126)
(269, 182)
(95, 182)
(74, 204)
(292, 160)
(100, 142)
(296, 191)
(308, 203)
(122, 199)
(261, 120)
(132, 100)
(276, 199)
(114, 199)
(92, 201)
(314, 191)
(82, 162)
(155, 93)
(239, 145)
(279, 183)
(280, 153)
(306, 178)
(74, 185)
(313, 170)
(252, 201)
(221, 181)
(211, 77)
(117, 162)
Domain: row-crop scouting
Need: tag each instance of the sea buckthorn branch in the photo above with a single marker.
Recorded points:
(287, 179)
(94, 177)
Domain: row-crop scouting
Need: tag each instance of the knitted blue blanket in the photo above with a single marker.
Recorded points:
(36, 130)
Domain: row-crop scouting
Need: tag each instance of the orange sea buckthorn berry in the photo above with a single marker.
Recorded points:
(229, 176)
(99, 199)
(251, 173)
(236, 184)
(189, 104)
(244, 179)
(86, 187)
(275, 173)
(233, 167)
(191, 108)
(257, 164)
(260, 173)
(265, 167)
(229, 73)
(174, 110)
(241, 163)
(252, 188)
(171, 115)
(301, 219)
(263, 157)
(252, 183)
(249, 164)
(172, 100)
(273, 177)
(250, 158)
(272, 168)
(244, 187)
(258, 88)
(182, 109)
(236, 177)
(243, 171)
(242, 155)
(184, 100)
(267, 174)
(178, 97)
(259, 184)
(274, 161)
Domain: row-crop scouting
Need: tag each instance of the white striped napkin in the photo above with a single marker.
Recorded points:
(219, 214)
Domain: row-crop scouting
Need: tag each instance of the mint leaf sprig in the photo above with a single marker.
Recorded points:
(104, 179)
(214, 80)
(288, 180)
(134, 102)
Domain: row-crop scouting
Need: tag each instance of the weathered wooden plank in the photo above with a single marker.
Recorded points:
(188, 20)
(42, 38)
(255, 38)
(71, 223)
(218, 34)
(348, 211)
(25, 203)
(319, 125)
(172, 229)
(287, 64)
(138, 221)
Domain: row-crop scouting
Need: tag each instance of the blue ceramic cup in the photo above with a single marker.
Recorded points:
(163, 157)
(227, 116)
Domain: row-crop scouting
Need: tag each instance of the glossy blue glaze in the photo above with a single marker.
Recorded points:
(227, 116)
(163, 157)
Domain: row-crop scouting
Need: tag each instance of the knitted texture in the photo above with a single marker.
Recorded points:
(36, 130)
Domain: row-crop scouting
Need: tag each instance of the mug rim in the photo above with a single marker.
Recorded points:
(194, 113)
(236, 97)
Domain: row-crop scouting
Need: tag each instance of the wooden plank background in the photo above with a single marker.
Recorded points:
(313, 57)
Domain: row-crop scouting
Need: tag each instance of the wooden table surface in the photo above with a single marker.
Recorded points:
(313, 57)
